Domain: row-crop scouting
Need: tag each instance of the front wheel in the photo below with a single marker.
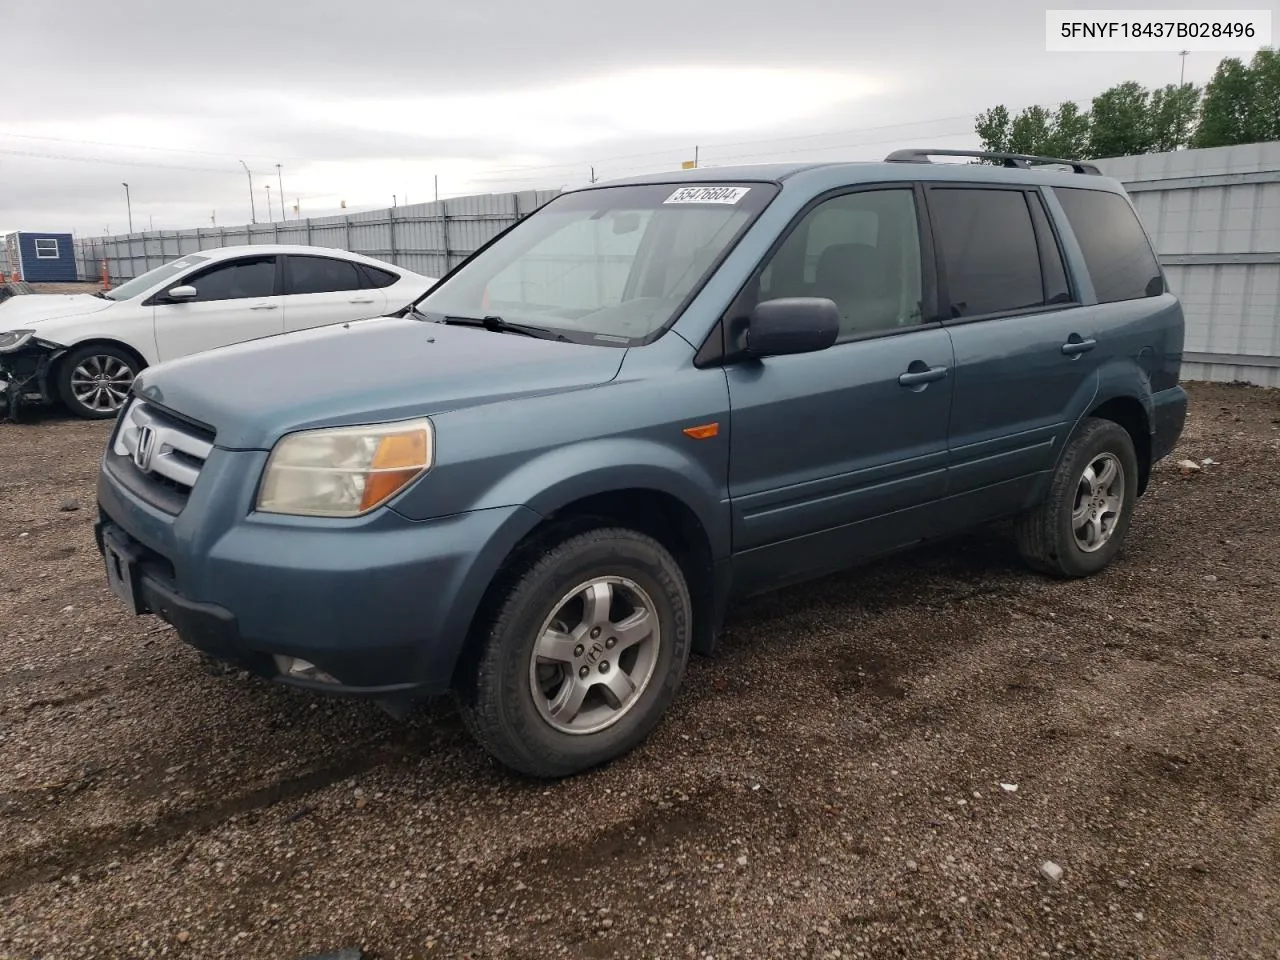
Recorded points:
(582, 656)
(95, 380)
(1081, 524)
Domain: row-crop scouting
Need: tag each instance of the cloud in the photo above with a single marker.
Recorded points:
(362, 101)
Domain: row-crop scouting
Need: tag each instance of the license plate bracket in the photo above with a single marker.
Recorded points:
(122, 571)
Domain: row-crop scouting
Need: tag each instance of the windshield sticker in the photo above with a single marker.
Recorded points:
(708, 195)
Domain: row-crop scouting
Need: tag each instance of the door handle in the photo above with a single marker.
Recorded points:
(264, 306)
(361, 300)
(1075, 346)
(919, 377)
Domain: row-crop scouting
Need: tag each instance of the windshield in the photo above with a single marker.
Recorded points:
(131, 288)
(610, 265)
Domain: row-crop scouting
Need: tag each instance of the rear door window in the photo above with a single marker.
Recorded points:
(987, 243)
(1116, 250)
(320, 275)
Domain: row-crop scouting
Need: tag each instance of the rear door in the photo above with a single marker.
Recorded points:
(324, 290)
(1024, 346)
(841, 454)
(236, 300)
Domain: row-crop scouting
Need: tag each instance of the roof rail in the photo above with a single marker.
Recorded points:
(1020, 160)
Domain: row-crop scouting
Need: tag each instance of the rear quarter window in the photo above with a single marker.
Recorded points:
(1116, 251)
(378, 278)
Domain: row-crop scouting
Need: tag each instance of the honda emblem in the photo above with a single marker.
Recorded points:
(145, 449)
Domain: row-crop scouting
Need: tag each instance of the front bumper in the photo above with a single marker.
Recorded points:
(383, 604)
(24, 375)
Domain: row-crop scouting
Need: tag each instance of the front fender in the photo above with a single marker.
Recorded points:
(556, 477)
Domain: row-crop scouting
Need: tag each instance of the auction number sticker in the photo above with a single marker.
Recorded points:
(728, 195)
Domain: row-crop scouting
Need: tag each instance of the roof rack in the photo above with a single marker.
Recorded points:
(1020, 160)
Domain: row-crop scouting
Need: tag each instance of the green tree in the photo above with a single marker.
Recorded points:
(1265, 106)
(1031, 131)
(1120, 121)
(1070, 135)
(992, 127)
(1224, 111)
(1172, 116)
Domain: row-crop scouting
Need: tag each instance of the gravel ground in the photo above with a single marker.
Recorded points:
(836, 781)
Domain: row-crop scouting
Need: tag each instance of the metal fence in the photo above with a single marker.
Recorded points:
(1214, 216)
(428, 238)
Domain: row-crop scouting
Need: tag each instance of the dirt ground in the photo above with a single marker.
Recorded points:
(836, 781)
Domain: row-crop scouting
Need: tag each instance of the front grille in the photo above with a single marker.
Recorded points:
(159, 455)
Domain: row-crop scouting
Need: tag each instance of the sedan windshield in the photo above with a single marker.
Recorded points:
(606, 265)
(131, 288)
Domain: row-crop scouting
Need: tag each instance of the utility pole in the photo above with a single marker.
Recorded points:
(253, 213)
(270, 215)
(280, 181)
(129, 205)
(1182, 76)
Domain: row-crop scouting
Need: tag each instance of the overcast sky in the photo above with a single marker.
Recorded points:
(360, 101)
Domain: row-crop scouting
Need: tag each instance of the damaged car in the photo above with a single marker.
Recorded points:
(84, 350)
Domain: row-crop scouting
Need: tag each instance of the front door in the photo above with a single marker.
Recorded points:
(841, 454)
(235, 301)
(326, 290)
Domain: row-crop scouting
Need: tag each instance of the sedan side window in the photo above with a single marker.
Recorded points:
(860, 250)
(321, 275)
(237, 280)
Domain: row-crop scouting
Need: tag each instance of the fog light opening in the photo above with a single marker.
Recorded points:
(299, 669)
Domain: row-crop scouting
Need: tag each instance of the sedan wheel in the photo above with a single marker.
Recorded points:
(95, 381)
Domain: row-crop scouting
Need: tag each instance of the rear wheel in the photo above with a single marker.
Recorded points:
(1081, 525)
(582, 656)
(94, 381)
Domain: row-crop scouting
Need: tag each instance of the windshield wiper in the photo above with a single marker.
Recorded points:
(498, 325)
(99, 293)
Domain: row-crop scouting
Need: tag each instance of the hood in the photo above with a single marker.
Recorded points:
(28, 310)
(365, 372)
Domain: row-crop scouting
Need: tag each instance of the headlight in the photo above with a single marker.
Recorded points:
(11, 340)
(344, 472)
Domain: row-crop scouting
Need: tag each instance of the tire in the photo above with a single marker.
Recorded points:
(111, 368)
(507, 700)
(1081, 524)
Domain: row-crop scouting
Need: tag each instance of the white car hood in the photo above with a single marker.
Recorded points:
(29, 310)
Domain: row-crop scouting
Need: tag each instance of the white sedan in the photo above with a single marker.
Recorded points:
(86, 349)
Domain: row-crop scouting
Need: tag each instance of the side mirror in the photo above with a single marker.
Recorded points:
(181, 293)
(791, 325)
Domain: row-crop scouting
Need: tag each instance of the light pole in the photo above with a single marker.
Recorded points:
(128, 204)
(270, 215)
(280, 181)
(253, 214)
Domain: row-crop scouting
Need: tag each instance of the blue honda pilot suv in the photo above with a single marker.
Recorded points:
(540, 486)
